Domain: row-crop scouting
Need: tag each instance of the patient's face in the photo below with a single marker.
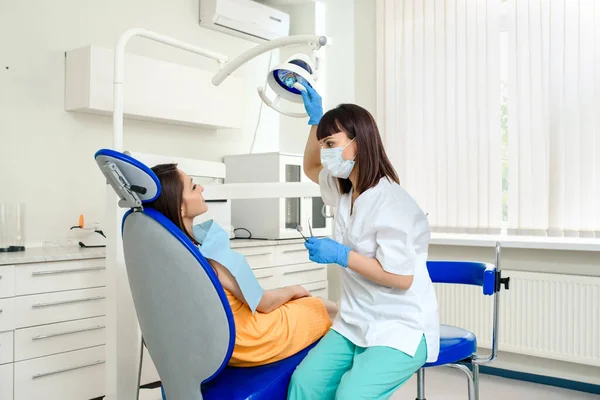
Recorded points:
(193, 202)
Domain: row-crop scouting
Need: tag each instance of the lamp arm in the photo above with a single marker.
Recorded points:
(314, 41)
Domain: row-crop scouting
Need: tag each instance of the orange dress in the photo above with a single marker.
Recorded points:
(265, 338)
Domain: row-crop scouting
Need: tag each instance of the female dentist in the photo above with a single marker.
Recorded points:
(387, 326)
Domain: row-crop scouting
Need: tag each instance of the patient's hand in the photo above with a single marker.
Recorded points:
(300, 292)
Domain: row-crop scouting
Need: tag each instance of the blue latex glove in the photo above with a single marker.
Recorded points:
(327, 251)
(312, 103)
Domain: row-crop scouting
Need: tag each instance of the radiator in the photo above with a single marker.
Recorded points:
(544, 315)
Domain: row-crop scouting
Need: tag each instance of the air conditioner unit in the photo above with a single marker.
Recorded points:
(244, 18)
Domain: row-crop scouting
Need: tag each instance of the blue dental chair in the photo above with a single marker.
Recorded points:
(185, 318)
(458, 347)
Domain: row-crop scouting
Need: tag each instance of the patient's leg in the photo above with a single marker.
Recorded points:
(331, 307)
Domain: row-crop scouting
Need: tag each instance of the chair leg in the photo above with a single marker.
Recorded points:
(467, 371)
(421, 384)
(139, 374)
(476, 380)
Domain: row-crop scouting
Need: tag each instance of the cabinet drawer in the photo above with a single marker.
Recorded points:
(56, 276)
(59, 307)
(69, 376)
(6, 347)
(291, 254)
(7, 314)
(318, 289)
(59, 338)
(301, 274)
(7, 281)
(268, 277)
(6, 382)
(258, 257)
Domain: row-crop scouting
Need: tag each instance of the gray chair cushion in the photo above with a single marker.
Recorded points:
(183, 313)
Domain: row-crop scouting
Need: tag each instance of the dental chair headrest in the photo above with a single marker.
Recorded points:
(134, 182)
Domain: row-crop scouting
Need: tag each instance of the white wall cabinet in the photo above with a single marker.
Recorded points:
(153, 90)
(53, 323)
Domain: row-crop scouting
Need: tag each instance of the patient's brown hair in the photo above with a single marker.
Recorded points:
(170, 199)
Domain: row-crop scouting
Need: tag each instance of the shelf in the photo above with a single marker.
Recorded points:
(154, 90)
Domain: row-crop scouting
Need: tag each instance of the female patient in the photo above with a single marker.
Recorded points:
(287, 319)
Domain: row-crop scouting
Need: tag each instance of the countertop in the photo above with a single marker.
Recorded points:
(67, 253)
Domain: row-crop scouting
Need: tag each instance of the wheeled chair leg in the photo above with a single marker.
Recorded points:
(421, 384)
(467, 372)
(476, 380)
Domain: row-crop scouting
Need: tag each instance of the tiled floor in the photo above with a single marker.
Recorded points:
(448, 384)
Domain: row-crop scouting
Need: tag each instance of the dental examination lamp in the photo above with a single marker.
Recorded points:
(297, 69)
(283, 78)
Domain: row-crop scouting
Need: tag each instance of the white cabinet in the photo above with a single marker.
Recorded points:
(76, 375)
(49, 308)
(285, 264)
(154, 90)
(58, 276)
(7, 314)
(52, 330)
(6, 347)
(40, 341)
(7, 279)
(6, 381)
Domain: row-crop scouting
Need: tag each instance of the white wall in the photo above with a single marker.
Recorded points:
(365, 52)
(46, 154)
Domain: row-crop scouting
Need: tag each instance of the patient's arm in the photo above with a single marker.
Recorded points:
(271, 299)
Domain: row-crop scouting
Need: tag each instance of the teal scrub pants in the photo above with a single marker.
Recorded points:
(337, 369)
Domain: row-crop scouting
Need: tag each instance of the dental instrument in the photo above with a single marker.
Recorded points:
(299, 229)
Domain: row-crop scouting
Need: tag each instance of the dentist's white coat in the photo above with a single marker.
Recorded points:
(387, 224)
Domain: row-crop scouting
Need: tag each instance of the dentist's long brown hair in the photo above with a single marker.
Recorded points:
(371, 160)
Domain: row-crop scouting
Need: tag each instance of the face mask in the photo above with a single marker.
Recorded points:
(333, 161)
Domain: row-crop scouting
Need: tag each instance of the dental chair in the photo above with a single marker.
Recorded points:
(458, 347)
(184, 316)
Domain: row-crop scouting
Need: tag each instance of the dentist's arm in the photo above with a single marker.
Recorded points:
(328, 251)
(371, 269)
(271, 299)
(312, 151)
(312, 156)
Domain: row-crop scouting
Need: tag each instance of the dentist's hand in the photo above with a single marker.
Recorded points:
(327, 251)
(312, 103)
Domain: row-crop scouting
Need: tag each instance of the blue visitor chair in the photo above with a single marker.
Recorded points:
(185, 319)
(458, 347)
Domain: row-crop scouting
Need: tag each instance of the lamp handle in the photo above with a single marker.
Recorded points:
(268, 102)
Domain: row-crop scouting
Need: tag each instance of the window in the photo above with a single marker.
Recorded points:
(504, 110)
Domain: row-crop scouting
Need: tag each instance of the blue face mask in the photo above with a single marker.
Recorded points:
(333, 161)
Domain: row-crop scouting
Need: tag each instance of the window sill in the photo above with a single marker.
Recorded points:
(516, 242)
